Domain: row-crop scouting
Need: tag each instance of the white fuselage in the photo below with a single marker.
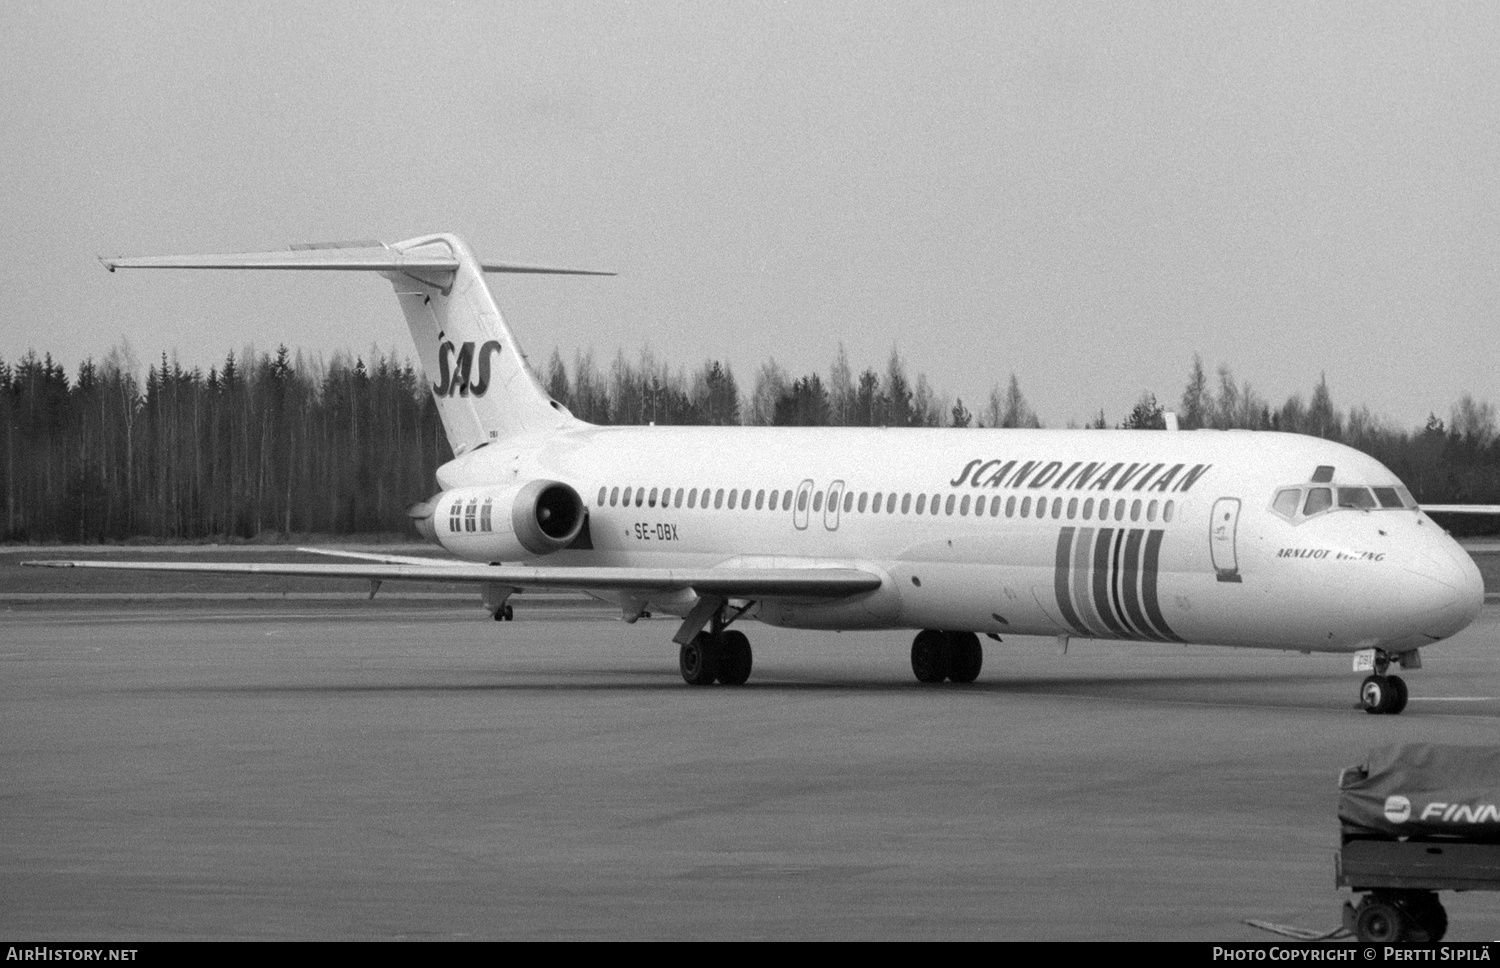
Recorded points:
(1106, 534)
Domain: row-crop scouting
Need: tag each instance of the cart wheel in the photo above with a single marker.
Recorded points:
(1427, 911)
(1378, 920)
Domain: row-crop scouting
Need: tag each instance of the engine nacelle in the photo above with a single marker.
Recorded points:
(491, 523)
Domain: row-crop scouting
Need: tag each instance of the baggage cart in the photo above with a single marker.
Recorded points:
(1416, 819)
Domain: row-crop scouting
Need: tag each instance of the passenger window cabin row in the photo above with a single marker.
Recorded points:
(864, 502)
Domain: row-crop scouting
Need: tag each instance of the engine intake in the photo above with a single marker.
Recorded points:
(547, 516)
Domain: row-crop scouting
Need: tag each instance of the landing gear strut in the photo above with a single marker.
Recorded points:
(954, 656)
(717, 654)
(1382, 694)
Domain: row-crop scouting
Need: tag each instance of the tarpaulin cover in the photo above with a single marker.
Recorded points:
(1423, 790)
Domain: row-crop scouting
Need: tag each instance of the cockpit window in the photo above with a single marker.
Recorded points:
(1299, 503)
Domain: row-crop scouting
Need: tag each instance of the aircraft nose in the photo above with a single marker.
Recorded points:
(1447, 591)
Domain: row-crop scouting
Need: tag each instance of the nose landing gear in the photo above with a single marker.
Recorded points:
(1381, 694)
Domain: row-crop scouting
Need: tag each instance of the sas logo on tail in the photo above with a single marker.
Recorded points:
(456, 369)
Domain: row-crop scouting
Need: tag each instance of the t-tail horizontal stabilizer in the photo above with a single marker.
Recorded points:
(483, 387)
(331, 257)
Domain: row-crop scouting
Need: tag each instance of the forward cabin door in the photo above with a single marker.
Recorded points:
(1222, 528)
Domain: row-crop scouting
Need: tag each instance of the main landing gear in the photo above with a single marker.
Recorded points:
(725, 658)
(954, 656)
(1382, 694)
(717, 653)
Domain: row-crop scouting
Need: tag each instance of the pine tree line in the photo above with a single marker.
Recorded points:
(1453, 463)
(649, 391)
(262, 445)
(271, 444)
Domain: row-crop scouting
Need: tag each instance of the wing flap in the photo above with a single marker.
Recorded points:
(826, 583)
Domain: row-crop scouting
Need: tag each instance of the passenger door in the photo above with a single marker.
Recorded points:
(1221, 538)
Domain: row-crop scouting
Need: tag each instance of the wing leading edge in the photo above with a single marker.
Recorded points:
(814, 582)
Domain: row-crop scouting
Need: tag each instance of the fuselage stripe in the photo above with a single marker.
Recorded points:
(1117, 580)
(1083, 554)
(1148, 587)
(1105, 583)
(1130, 582)
(1102, 547)
(1116, 570)
(1061, 570)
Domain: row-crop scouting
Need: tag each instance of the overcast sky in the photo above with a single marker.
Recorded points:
(1085, 194)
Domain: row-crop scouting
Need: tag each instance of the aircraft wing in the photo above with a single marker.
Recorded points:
(812, 582)
(386, 559)
(1461, 508)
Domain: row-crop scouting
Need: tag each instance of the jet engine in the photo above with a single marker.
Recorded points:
(509, 523)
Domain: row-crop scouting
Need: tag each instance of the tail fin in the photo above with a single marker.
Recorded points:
(483, 387)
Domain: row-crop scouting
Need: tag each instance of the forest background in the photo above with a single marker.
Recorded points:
(270, 446)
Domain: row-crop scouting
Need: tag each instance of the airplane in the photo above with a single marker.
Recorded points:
(1230, 538)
